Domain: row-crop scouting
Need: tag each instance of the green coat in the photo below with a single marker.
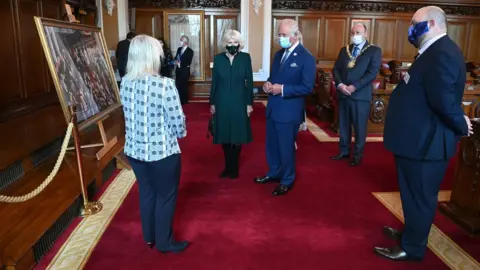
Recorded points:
(231, 92)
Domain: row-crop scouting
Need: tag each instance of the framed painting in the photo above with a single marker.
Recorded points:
(83, 75)
(190, 24)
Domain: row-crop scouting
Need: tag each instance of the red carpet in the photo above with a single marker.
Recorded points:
(329, 221)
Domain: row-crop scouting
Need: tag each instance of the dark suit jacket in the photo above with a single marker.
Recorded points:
(425, 116)
(297, 74)
(122, 54)
(185, 58)
(361, 76)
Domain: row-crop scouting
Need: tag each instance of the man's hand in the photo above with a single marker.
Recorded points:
(276, 89)
(469, 124)
(267, 86)
(212, 109)
(343, 89)
(249, 110)
(351, 88)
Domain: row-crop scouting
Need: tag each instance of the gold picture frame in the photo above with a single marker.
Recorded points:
(196, 24)
(81, 69)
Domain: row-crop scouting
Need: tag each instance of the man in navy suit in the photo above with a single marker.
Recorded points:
(356, 67)
(183, 60)
(291, 79)
(423, 124)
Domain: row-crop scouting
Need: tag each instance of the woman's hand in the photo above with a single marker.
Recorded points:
(212, 109)
(249, 110)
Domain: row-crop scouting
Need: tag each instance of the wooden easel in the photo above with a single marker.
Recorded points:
(106, 145)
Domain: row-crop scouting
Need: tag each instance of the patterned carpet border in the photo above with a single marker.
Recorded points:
(76, 250)
(438, 242)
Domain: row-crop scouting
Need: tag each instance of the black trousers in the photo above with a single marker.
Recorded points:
(353, 113)
(158, 186)
(182, 75)
(231, 153)
(419, 183)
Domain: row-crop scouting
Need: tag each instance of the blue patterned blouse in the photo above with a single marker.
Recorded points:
(154, 118)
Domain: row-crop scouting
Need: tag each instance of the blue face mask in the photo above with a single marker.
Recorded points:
(416, 31)
(285, 42)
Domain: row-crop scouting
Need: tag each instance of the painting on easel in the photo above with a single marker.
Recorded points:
(83, 75)
(80, 68)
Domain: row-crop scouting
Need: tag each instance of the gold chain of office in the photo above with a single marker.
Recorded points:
(352, 61)
(49, 179)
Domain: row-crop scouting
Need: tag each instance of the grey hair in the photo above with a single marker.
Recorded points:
(185, 39)
(438, 15)
(293, 25)
(300, 37)
(143, 57)
(235, 35)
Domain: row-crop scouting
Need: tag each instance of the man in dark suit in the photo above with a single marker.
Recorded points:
(122, 54)
(356, 67)
(423, 124)
(183, 60)
(291, 79)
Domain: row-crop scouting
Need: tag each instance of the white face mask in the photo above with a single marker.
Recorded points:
(357, 39)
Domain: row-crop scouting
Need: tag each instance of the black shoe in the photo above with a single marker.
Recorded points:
(339, 157)
(392, 233)
(395, 253)
(265, 179)
(175, 248)
(281, 190)
(355, 161)
(224, 174)
(150, 244)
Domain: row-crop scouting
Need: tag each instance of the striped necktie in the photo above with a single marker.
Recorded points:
(355, 51)
(285, 56)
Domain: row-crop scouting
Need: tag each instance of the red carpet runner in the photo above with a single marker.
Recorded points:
(329, 221)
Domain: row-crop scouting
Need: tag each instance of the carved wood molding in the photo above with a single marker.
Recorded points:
(370, 7)
(177, 4)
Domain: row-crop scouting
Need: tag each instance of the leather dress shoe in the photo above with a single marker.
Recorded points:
(265, 179)
(177, 247)
(281, 190)
(339, 157)
(395, 253)
(392, 233)
(355, 161)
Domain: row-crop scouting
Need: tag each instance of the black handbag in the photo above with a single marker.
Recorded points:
(211, 124)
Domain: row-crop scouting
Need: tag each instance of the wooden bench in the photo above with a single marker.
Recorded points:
(29, 228)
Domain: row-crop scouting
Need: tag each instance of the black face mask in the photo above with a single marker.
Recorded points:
(233, 49)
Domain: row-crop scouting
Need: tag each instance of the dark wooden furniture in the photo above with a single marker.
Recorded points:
(464, 205)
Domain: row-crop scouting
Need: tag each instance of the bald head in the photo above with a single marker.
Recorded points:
(434, 15)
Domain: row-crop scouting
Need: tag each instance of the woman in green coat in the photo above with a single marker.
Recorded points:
(231, 99)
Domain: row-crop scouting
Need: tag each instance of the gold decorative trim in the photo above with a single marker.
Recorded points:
(438, 242)
(322, 136)
(77, 249)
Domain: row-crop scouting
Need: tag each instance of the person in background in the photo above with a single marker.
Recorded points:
(154, 121)
(291, 79)
(121, 54)
(423, 124)
(356, 68)
(183, 60)
(167, 60)
(231, 100)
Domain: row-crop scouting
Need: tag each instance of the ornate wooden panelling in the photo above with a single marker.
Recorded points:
(326, 32)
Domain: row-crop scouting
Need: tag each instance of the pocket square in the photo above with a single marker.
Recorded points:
(293, 65)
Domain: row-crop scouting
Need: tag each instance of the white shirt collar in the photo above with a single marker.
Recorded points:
(360, 46)
(291, 49)
(429, 43)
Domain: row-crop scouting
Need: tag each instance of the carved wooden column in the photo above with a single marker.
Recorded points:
(256, 28)
(464, 205)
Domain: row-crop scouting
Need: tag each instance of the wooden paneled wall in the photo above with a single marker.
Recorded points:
(325, 33)
(24, 71)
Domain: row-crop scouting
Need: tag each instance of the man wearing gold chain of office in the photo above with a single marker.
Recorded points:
(356, 68)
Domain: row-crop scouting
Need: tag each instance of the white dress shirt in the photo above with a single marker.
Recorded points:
(429, 43)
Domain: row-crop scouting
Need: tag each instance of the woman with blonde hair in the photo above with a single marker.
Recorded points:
(231, 100)
(154, 120)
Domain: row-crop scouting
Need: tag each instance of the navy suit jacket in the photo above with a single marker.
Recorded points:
(424, 116)
(366, 68)
(297, 74)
